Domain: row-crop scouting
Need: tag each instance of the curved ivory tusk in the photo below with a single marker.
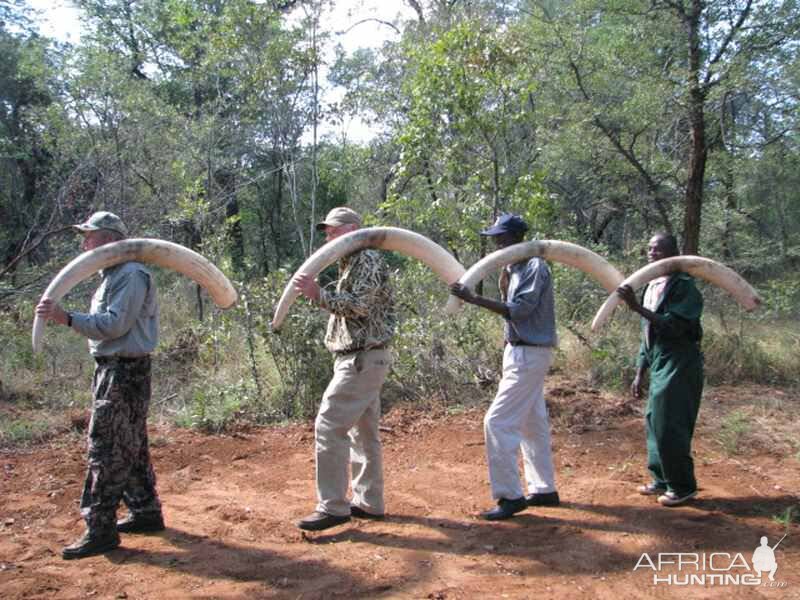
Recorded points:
(563, 252)
(157, 252)
(697, 266)
(400, 240)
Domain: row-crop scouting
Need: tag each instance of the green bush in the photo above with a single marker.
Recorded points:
(606, 359)
(22, 432)
(439, 357)
(230, 368)
(297, 364)
(732, 430)
(214, 408)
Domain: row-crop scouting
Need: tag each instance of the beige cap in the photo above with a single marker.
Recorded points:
(341, 215)
(102, 220)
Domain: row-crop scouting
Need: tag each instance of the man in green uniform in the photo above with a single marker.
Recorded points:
(671, 307)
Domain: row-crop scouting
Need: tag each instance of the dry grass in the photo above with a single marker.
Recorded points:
(204, 374)
(747, 419)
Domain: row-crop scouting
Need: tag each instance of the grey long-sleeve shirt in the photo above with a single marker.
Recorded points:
(531, 304)
(123, 318)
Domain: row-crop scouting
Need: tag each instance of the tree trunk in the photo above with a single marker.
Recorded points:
(226, 180)
(235, 235)
(276, 214)
(315, 124)
(698, 152)
(728, 183)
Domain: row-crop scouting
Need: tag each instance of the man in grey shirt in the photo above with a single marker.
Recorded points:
(122, 328)
(517, 418)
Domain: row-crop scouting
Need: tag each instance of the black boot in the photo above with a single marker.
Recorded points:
(149, 522)
(317, 521)
(91, 544)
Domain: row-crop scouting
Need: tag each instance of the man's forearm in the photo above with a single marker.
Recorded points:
(644, 312)
(493, 305)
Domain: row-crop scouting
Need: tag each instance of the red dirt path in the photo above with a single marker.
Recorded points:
(230, 502)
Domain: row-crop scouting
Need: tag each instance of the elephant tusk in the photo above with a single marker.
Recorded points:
(146, 250)
(555, 250)
(396, 239)
(697, 266)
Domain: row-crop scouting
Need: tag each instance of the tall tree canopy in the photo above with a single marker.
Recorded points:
(600, 120)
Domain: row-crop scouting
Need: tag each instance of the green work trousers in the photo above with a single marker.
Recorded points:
(676, 385)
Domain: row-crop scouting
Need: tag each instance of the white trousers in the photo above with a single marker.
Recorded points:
(517, 420)
(347, 427)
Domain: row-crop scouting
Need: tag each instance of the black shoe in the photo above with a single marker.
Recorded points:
(360, 513)
(548, 499)
(90, 545)
(505, 509)
(141, 523)
(317, 521)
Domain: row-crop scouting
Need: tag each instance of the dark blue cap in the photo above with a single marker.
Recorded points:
(506, 223)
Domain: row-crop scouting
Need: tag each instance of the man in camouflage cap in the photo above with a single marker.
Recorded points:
(103, 221)
(122, 328)
(360, 328)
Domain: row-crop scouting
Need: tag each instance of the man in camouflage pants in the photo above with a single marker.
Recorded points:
(360, 328)
(122, 328)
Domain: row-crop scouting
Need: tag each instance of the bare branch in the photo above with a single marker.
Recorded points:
(10, 266)
(728, 39)
(418, 9)
(362, 21)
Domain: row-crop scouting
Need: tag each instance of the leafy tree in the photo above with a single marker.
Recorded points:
(25, 155)
(468, 145)
(233, 81)
(649, 78)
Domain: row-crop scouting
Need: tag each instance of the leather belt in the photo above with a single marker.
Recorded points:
(106, 360)
(362, 349)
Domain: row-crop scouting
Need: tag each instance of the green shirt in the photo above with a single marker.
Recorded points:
(677, 325)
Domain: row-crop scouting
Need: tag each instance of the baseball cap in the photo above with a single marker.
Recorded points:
(341, 215)
(506, 223)
(102, 220)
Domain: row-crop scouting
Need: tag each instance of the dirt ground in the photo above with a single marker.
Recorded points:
(230, 503)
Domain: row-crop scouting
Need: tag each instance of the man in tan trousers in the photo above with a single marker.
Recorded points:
(360, 328)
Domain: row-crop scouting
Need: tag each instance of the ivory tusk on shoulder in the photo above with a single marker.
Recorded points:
(563, 252)
(697, 266)
(396, 239)
(146, 250)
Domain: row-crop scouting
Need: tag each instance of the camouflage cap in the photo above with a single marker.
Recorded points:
(102, 220)
(341, 215)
